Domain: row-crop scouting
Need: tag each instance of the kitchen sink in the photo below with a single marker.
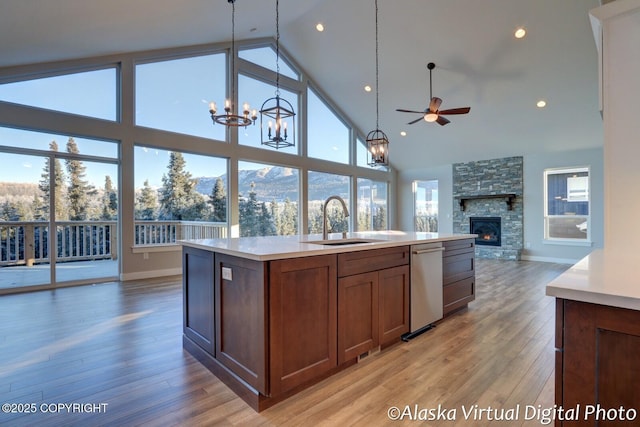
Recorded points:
(340, 242)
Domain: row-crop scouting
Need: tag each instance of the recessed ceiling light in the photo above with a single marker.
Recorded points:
(320, 27)
(367, 88)
(403, 133)
(542, 103)
(520, 33)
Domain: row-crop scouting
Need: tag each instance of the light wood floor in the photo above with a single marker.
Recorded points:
(120, 345)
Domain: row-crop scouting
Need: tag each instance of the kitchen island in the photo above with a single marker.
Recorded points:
(270, 316)
(598, 339)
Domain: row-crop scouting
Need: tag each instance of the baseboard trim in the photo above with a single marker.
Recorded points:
(549, 259)
(151, 274)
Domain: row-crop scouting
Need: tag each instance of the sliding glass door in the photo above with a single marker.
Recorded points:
(58, 210)
(24, 225)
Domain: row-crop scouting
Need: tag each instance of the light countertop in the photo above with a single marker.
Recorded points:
(605, 277)
(283, 247)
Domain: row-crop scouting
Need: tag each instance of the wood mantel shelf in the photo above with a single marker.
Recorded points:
(508, 198)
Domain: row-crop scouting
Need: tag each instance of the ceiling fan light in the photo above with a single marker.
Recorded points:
(430, 117)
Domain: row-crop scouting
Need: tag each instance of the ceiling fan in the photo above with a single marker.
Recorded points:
(432, 112)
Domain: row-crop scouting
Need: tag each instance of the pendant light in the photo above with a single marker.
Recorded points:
(377, 141)
(229, 118)
(277, 113)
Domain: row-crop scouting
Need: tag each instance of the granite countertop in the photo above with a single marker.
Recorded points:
(283, 247)
(606, 277)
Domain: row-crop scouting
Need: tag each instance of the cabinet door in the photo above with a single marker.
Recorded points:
(394, 303)
(302, 320)
(241, 318)
(357, 315)
(600, 365)
(197, 291)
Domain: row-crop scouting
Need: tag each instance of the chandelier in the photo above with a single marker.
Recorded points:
(377, 141)
(229, 118)
(277, 112)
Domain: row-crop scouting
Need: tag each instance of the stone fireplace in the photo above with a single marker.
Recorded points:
(488, 201)
(488, 229)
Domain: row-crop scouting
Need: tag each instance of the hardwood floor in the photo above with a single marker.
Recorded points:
(120, 346)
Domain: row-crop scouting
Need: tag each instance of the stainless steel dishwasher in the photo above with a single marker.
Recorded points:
(426, 287)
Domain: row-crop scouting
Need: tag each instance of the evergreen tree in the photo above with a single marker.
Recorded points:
(79, 189)
(288, 219)
(146, 203)
(60, 191)
(218, 202)
(276, 219)
(109, 200)
(38, 209)
(8, 212)
(380, 219)
(266, 225)
(250, 214)
(179, 199)
(364, 219)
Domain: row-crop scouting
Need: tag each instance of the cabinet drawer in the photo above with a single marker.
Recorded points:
(458, 294)
(457, 247)
(371, 260)
(457, 267)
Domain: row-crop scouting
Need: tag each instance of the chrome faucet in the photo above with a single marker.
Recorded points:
(325, 232)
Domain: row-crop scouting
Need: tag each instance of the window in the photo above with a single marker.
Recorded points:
(566, 207)
(425, 206)
(54, 142)
(268, 199)
(55, 197)
(266, 57)
(174, 95)
(361, 153)
(372, 205)
(178, 196)
(255, 93)
(90, 93)
(327, 135)
(320, 187)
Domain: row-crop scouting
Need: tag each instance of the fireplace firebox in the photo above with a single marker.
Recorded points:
(488, 230)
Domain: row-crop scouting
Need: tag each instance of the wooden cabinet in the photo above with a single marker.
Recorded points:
(373, 299)
(358, 330)
(198, 297)
(393, 291)
(268, 329)
(458, 274)
(597, 365)
(302, 320)
(241, 318)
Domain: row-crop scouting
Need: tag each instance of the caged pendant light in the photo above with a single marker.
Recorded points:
(229, 118)
(277, 113)
(377, 141)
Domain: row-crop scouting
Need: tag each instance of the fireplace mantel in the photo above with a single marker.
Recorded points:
(508, 198)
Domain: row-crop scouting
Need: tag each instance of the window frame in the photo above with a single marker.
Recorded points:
(414, 189)
(547, 217)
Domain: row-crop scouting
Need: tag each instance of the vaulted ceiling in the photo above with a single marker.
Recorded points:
(479, 62)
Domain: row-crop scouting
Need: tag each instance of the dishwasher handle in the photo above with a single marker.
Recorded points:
(427, 251)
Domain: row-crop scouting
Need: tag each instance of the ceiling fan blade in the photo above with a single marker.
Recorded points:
(415, 121)
(463, 110)
(435, 104)
(409, 111)
(442, 121)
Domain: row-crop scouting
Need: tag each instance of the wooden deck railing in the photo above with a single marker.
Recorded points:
(26, 242)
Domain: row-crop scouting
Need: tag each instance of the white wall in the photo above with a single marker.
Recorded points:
(620, 53)
(534, 166)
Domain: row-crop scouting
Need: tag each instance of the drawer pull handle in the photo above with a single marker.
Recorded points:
(427, 251)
